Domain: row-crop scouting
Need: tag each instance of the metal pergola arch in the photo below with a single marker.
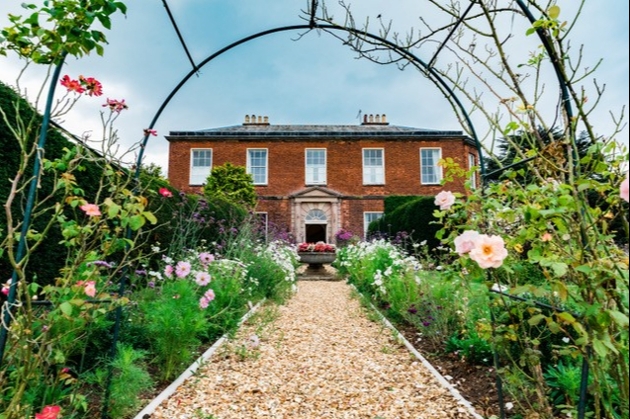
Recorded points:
(427, 69)
(417, 62)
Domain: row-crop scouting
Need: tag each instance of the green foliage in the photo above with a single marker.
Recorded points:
(232, 184)
(176, 323)
(129, 380)
(414, 217)
(64, 26)
(392, 202)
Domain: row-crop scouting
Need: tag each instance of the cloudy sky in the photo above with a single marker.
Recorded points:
(312, 79)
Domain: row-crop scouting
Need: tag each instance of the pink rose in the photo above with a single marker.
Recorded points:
(91, 210)
(48, 412)
(166, 193)
(444, 200)
(623, 189)
(465, 242)
(90, 288)
(489, 251)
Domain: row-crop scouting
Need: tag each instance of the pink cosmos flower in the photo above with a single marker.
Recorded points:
(444, 200)
(168, 271)
(208, 296)
(182, 269)
(91, 210)
(116, 105)
(206, 258)
(71, 85)
(165, 193)
(202, 278)
(148, 131)
(623, 189)
(48, 412)
(489, 251)
(465, 242)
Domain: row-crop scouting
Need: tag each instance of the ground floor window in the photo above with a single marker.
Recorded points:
(368, 217)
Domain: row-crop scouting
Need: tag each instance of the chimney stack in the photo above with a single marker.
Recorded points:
(256, 120)
(378, 119)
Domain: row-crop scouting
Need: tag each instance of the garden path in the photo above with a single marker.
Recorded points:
(318, 356)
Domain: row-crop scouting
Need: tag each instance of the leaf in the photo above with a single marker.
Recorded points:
(554, 12)
(554, 327)
(66, 308)
(566, 316)
(600, 348)
(136, 222)
(536, 319)
(619, 318)
(150, 217)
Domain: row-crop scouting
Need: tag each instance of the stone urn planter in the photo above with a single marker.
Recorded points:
(315, 261)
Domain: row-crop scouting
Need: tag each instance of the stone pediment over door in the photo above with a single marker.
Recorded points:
(315, 200)
(315, 192)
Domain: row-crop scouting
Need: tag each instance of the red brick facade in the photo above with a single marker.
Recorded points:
(344, 198)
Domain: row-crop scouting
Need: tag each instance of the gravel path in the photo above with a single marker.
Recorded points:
(317, 357)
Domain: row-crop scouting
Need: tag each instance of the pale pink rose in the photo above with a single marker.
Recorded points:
(489, 251)
(182, 269)
(465, 242)
(623, 189)
(91, 210)
(89, 287)
(444, 200)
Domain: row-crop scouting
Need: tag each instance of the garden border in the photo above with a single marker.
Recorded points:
(443, 381)
(170, 390)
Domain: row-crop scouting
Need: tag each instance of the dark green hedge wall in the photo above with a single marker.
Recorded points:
(412, 217)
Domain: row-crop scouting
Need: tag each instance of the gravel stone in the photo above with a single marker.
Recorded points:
(320, 358)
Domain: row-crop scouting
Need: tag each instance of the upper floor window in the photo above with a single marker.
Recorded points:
(200, 165)
(315, 166)
(373, 166)
(257, 165)
(473, 177)
(430, 171)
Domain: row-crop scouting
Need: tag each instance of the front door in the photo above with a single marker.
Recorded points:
(315, 233)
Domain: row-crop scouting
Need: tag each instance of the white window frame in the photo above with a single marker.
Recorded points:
(366, 223)
(196, 172)
(437, 167)
(309, 180)
(249, 165)
(472, 162)
(367, 169)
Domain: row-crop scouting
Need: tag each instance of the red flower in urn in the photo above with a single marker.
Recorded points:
(317, 247)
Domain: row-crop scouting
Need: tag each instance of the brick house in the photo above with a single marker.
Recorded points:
(313, 180)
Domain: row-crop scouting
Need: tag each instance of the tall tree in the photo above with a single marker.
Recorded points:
(231, 183)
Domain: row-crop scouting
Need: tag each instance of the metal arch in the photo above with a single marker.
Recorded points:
(401, 51)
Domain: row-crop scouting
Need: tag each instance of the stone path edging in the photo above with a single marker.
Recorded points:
(168, 391)
(456, 394)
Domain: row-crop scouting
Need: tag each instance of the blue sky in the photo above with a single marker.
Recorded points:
(311, 80)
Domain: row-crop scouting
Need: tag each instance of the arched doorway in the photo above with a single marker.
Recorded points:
(315, 226)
